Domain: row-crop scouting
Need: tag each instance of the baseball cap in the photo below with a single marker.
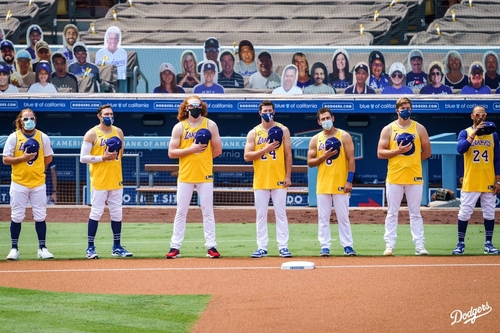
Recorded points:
(31, 146)
(4, 68)
(489, 128)
(79, 48)
(212, 42)
(23, 54)
(334, 144)
(397, 67)
(477, 67)
(167, 67)
(6, 43)
(41, 45)
(416, 53)
(43, 65)
(264, 54)
(203, 136)
(275, 133)
(114, 143)
(208, 66)
(361, 65)
(35, 29)
(376, 55)
(404, 139)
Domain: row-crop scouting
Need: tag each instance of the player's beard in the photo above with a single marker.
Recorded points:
(478, 121)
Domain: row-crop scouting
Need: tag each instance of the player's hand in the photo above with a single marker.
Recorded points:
(108, 156)
(271, 146)
(496, 188)
(330, 153)
(198, 147)
(403, 149)
(347, 187)
(53, 197)
(478, 126)
(287, 182)
(28, 156)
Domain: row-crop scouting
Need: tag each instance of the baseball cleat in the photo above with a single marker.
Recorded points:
(285, 253)
(213, 253)
(490, 249)
(421, 251)
(349, 251)
(259, 253)
(120, 251)
(325, 252)
(173, 253)
(13, 254)
(460, 249)
(389, 251)
(43, 253)
(91, 254)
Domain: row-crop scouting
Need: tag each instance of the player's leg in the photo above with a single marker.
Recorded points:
(98, 199)
(206, 195)
(324, 203)
(341, 205)
(467, 203)
(115, 198)
(261, 207)
(394, 194)
(413, 200)
(184, 194)
(18, 200)
(39, 206)
(282, 233)
(488, 204)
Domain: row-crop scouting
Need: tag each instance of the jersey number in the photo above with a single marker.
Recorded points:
(271, 153)
(478, 156)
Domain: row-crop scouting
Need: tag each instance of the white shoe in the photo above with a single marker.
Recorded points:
(45, 254)
(389, 251)
(421, 251)
(13, 254)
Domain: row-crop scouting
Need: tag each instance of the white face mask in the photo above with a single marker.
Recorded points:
(327, 124)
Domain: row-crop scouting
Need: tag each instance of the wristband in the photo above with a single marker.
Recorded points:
(350, 177)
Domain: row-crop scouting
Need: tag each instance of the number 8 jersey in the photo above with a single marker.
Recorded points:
(479, 166)
(269, 170)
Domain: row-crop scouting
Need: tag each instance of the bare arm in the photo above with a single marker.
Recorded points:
(383, 151)
(53, 195)
(216, 140)
(425, 142)
(288, 156)
(251, 154)
(351, 163)
(173, 148)
(11, 160)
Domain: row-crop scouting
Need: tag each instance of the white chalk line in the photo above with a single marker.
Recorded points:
(146, 269)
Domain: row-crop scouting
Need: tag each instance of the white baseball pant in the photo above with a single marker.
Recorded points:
(20, 196)
(262, 206)
(341, 205)
(184, 194)
(468, 202)
(394, 194)
(113, 198)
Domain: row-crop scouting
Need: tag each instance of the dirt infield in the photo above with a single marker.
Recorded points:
(342, 294)
(245, 214)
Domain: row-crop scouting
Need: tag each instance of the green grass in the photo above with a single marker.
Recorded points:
(39, 311)
(151, 240)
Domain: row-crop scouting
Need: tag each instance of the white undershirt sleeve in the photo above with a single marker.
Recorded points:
(85, 156)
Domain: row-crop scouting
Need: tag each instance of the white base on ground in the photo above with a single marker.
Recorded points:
(297, 265)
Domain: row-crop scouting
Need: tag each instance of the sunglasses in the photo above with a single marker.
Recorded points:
(28, 118)
(399, 75)
(376, 64)
(435, 73)
(477, 74)
(479, 115)
(194, 105)
(211, 50)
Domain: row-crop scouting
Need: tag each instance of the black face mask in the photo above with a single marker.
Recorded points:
(195, 112)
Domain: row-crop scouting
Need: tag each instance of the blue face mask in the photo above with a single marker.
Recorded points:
(327, 124)
(405, 114)
(29, 125)
(267, 117)
(108, 121)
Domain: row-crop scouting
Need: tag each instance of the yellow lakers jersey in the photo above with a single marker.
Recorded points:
(105, 175)
(195, 168)
(269, 170)
(405, 169)
(32, 173)
(479, 169)
(332, 174)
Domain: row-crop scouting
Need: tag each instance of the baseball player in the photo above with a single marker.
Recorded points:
(480, 149)
(28, 151)
(404, 175)
(195, 170)
(336, 168)
(272, 164)
(106, 180)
